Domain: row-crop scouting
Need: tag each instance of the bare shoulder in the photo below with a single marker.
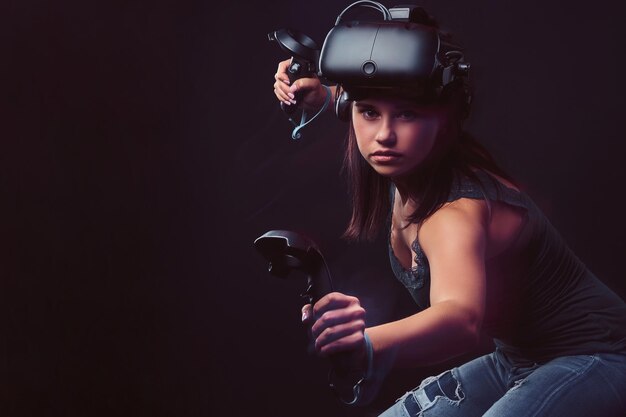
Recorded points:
(455, 237)
(464, 218)
(472, 222)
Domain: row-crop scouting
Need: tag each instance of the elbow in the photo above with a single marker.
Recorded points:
(468, 323)
(471, 332)
(473, 326)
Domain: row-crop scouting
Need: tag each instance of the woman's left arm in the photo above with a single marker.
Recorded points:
(454, 241)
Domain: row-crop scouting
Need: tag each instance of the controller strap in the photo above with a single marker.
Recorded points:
(303, 121)
(367, 376)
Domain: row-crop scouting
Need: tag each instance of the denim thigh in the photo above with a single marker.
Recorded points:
(492, 386)
(573, 386)
(466, 391)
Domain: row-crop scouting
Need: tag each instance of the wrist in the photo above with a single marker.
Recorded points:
(325, 98)
(355, 385)
(318, 99)
(330, 90)
(369, 357)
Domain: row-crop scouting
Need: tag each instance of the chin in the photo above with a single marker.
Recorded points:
(390, 172)
(393, 171)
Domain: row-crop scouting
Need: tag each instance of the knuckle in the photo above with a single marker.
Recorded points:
(354, 301)
(316, 309)
(320, 346)
(326, 317)
(329, 332)
(358, 339)
(338, 296)
(356, 313)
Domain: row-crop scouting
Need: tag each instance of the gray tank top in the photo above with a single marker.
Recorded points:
(555, 306)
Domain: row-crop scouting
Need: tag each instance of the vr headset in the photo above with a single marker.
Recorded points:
(404, 54)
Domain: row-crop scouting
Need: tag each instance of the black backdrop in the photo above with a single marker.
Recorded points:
(142, 152)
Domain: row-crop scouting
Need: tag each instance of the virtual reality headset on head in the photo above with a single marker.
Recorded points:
(402, 54)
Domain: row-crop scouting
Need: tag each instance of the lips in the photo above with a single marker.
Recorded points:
(385, 156)
(386, 153)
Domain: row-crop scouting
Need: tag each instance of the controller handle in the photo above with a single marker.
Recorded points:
(286, 251)
(304, 57)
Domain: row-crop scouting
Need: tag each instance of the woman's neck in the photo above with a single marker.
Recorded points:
(406, 191)
(412, 185)
(403, 189)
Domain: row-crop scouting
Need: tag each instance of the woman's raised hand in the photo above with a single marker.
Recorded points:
(313, 93)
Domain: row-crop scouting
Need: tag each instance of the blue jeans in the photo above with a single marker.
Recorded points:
(493, 386)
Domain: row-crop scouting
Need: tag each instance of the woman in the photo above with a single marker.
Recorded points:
(478, 257)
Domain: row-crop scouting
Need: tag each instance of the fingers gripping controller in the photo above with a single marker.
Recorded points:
(304, 54)
(304, 58)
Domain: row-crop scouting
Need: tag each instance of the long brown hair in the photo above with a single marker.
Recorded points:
(430, 185)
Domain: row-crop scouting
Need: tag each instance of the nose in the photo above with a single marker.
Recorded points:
(386, 135)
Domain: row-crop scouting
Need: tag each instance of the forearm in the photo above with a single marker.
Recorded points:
(434, 335)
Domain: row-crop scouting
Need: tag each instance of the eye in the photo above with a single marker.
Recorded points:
(369, 114)
(407, 115)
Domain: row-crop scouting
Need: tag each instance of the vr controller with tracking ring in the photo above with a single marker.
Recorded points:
(304, 56)
(403, 54)
(287, 251)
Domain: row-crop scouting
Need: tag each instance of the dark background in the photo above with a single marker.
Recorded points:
(142, 152)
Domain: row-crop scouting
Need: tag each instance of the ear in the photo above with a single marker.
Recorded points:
(343, 106)
(458, 93)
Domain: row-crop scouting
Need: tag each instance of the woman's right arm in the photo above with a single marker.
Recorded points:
(454, 241)
(314, 92)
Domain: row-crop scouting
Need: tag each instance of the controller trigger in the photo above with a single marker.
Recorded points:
(307, 294)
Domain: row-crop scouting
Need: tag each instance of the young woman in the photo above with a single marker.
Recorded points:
(477, 256)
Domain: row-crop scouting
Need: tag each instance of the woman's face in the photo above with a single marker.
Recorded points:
(394, 135)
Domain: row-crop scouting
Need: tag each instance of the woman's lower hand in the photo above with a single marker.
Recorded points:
(337, 325)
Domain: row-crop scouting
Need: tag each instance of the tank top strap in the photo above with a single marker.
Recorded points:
(487, 188)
